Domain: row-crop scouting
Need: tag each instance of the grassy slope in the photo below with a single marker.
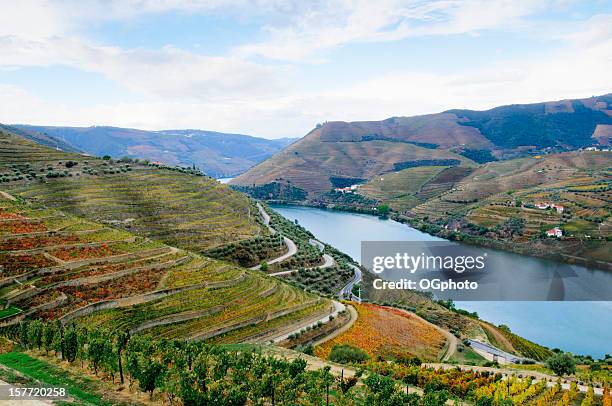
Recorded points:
(80, 388)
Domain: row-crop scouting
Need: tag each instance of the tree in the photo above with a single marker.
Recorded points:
(24, 336)
(95, 352)
(562, 364)
(151, 374)
(383, 210)
(106, 157)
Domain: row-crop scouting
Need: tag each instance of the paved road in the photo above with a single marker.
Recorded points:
(348, 289)
(328, 263)
(494, 353)
(266, 218)
(291, 247)
(317, 243)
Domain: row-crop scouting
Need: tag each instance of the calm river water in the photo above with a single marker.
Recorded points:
(579, 327)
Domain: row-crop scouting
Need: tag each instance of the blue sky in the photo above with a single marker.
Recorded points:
(275, 68)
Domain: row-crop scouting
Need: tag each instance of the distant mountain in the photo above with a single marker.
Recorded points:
(42, 139)
(365, 149)
(217, 154)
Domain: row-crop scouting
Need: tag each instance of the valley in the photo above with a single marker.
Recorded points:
(100, 249)
(456, 176)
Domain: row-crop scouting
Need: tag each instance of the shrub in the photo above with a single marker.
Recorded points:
(562, 364)
(344, 353)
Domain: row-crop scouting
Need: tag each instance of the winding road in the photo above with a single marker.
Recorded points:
(348, 288)
(328, 263)
(291, 247)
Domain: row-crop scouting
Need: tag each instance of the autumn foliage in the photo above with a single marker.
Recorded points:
(388, 333)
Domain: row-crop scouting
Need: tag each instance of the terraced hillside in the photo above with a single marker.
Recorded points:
(407, 188)
(180, 207)
(58, 266)
(519, 200)
(367, 149)
(311, 162)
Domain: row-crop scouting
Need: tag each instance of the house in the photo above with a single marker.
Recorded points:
(554, 232)
(544, 206)
(557, 207)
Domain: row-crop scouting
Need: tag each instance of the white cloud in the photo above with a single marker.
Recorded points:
(574, 72)
(232, 93)
(168, 72)
(335, 23)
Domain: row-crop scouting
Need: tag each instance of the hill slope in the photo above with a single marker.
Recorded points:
(362, 150)
(217, 154)
(59, 266)
(176, 207)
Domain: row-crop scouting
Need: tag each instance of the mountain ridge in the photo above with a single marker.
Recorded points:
(364, 149)
(217, 154)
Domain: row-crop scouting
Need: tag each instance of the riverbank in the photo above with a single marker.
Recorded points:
(542, 248)
(578, 330)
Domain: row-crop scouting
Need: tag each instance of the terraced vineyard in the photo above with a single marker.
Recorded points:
(389, 333)
(180, 207)
(59, 266)
(510, 203)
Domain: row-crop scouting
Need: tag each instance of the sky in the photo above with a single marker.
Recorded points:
(276, 68)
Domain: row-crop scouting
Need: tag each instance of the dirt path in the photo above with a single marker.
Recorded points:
(338, 307)
(314, 363)
(7, 196)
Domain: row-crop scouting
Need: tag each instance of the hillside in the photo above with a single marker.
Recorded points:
(117, 245)
(498, 203)
(40, 138)
(362, 150)
(175, 206)
(216, 154)
(312, 162)
(59, 266)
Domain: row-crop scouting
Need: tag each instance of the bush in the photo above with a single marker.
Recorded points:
(344, 353)
(562, 364)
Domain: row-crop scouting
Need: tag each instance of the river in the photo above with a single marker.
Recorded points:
(578, 327)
